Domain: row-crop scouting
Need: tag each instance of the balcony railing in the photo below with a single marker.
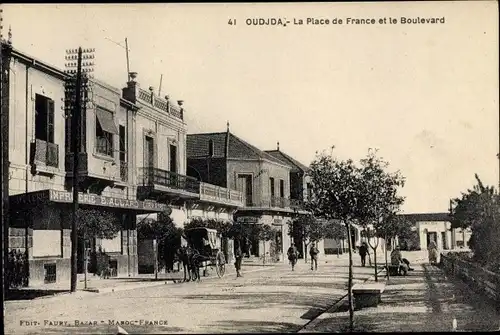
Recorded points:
(123, 171)
(153, 176)
(220, 194)
(160, 103)
(270, 202)
(45, 152)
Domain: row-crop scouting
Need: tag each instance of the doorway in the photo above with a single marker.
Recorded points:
(431, 236)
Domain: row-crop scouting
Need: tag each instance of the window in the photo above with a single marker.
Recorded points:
(309, 191)
(149, 152)
(105, 129)
(173, 158)
(244, 185)
(123, 144)
(271, 184)
(210, 148)
(44, 118)
(282, 188)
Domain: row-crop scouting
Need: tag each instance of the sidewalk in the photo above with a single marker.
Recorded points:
(425, 300)
(95, 284)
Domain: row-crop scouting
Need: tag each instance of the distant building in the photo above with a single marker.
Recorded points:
(437, 227)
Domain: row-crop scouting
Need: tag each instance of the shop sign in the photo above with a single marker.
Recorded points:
(100, 200)
(278, 222)
(247, 219)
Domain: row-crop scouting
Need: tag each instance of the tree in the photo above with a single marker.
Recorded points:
(266, 233)
(346, 192)
(380, 200)
(335, 231)
(337, 193)
(94, 223)
(164, 233)
(478, 210)
(223, 227)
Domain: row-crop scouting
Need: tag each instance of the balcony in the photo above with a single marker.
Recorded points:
(124, 171)
(160, 103)
(220, 195)
(45, 153)
(276, 203)
(154, 181)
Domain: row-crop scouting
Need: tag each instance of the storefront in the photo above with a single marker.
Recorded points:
(40, 228)
(275, 248)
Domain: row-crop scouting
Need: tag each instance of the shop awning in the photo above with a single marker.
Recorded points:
(47, 196)
(106, 121)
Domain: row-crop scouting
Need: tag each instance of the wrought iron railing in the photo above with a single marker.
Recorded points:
(154, 176)
(46, 152)
(123, 171)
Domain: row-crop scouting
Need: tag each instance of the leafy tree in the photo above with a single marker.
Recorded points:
(336, 231)
(223, 227)
(478, 209)
(337, 193)
(165, 234)
(343, 191)
(93, 223)
(380, 200)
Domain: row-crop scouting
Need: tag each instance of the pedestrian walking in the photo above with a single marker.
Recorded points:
(314, 252)
(238, 255)
(292, 255)
(363, 251)
(432, 252)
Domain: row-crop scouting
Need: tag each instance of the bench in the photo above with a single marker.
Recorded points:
(367, 294)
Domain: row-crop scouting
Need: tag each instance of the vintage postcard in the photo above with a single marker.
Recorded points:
(250, 167)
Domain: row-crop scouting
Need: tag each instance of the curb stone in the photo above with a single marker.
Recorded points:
(311, 325)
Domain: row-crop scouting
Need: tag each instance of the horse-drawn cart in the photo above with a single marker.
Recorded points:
(204, 249)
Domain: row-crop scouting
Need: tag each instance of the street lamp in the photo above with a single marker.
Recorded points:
(78, 68)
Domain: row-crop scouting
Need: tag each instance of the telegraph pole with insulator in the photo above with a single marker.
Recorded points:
(79, 65)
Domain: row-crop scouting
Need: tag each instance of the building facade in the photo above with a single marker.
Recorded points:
(437, 227)
(228, 161)
(160, 158)
(41, 174)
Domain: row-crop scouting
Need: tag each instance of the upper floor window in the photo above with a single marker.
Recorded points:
(210, 148)
(123, 143)
(105, 128)
(282, 188)
(309, 191)
(44, 118)
(271, 184)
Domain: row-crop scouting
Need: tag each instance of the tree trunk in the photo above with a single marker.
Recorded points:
(349, 284)
(386, 263)
(155, 249)
(375, 263)
(338, 247)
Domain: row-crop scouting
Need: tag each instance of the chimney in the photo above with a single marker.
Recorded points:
(278, 145)
(131, 92)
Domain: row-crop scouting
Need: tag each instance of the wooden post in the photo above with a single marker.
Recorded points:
(349, 290)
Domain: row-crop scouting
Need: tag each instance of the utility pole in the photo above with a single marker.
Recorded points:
(76, 95)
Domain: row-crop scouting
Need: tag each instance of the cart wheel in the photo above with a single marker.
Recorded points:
(220, 264)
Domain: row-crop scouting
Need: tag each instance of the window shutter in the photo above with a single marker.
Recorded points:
(50, 120)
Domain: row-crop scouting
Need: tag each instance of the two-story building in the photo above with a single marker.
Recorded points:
(229, 161)
(41, 177)
(300, 191)
(160, 157)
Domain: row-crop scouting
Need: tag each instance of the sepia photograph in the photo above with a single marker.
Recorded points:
(320, 167)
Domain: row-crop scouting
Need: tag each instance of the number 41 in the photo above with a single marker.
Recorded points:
(232, 22)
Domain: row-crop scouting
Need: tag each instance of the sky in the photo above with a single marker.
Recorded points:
(425, 95)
